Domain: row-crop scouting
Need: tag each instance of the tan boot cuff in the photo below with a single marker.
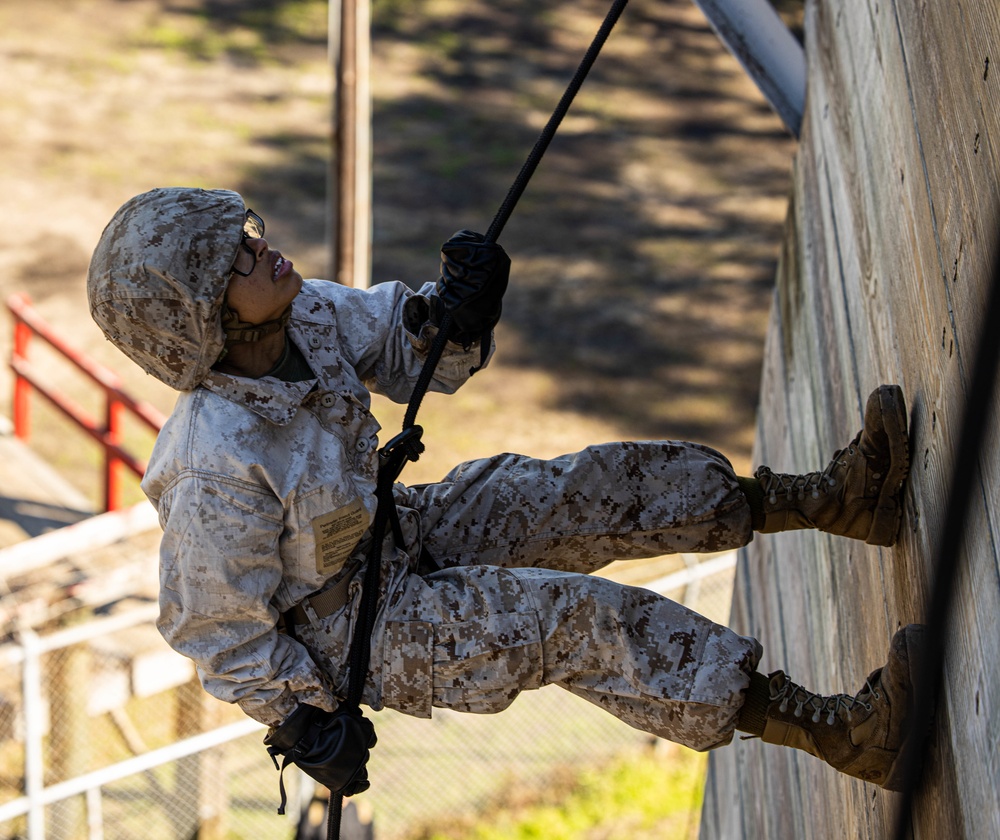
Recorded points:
(753, 714)
(755, 498)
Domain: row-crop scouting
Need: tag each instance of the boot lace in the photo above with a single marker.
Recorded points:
(790, 693)
(796, 486)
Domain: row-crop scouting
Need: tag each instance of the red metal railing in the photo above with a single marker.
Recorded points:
(28, 323)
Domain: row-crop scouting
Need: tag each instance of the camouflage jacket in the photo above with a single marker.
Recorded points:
(264, 489)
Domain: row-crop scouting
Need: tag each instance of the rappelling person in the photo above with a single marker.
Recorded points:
(264, 475)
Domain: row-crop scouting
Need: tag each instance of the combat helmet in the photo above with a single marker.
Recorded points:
(158, 277)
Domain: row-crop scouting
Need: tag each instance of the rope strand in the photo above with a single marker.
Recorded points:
(542, 143)
(514, 194)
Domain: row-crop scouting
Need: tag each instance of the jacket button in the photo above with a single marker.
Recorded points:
(327, 400)
(315, 341)
(361, 445)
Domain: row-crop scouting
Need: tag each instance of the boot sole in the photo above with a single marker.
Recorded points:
(900, 774)
(888, 514)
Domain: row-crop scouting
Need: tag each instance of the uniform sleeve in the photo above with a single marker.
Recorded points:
(385, 335)
(219, 570)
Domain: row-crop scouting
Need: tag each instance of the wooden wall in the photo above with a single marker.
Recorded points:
(883, 276)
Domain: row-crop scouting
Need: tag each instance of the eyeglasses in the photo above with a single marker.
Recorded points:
(253, 228)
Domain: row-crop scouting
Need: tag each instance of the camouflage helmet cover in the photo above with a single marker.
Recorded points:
(158, 277)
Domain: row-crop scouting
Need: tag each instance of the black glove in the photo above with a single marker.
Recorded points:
(331, 747)
(474, 276)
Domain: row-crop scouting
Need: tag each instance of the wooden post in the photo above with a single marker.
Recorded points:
(201, 776)
(350, 187)
(69, 732)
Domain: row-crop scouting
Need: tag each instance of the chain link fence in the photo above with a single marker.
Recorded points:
(105, 734)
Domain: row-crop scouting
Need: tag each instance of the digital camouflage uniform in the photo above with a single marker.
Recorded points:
(265, 489)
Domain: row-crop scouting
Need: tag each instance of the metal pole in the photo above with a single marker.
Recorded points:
(95, 814)
(22, 387)
(34, 730)
(114, 413)
(758, 38)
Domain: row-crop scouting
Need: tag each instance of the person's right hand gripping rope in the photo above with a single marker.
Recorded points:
(474, 276)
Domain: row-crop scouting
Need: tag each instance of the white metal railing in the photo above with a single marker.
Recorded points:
(27, 653)
(696, 570)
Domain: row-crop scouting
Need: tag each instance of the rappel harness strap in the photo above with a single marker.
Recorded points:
(407, 446)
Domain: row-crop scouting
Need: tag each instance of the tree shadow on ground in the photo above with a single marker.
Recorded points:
(36, 518)
(219, 28)
(645, 246)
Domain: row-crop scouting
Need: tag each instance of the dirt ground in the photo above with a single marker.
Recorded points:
(643, 250)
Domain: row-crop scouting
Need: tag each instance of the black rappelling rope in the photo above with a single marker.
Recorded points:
(406, 446)
(514, 194)
(949, 555)
(521, 181)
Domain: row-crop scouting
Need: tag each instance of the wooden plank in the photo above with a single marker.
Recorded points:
(958, 120)
(883, 277)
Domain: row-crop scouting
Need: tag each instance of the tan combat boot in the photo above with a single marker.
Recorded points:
(859, 494)
(861, 735)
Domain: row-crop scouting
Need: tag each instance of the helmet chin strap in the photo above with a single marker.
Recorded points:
(238, 331)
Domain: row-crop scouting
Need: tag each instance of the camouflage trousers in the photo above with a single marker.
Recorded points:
(508, 604)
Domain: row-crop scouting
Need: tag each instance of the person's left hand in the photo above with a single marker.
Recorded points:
(331, 747)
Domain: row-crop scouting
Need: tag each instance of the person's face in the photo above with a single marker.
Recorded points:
(261, 292)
